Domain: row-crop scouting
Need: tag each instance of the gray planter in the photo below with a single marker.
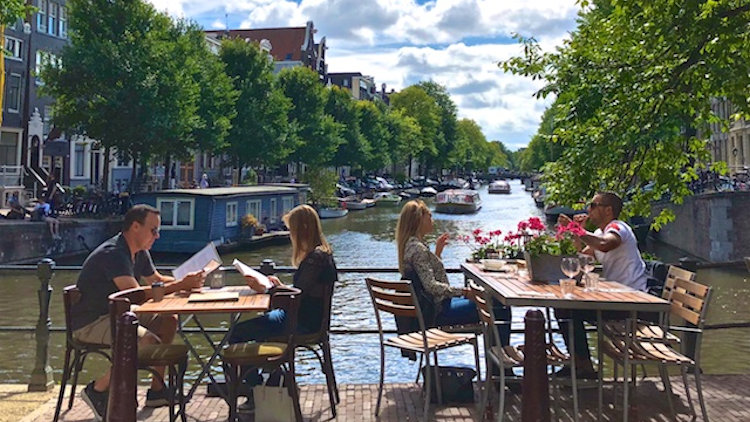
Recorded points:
(544, 268)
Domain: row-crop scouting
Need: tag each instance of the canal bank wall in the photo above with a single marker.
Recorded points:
(714, 227)
(27, 241)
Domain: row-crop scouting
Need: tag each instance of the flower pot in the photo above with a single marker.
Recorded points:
(544, 268)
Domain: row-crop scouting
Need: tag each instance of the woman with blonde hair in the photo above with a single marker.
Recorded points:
(441, 303)
(315, 276)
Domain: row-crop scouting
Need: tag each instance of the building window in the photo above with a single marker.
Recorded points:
(287, 203)
(80, 150)
(122, 160)
(231, 214)
(63, 22)
(274, 211)
(13, 93)
(176, 214)
(8, 148)
(41, 16)
(52, 18)
(13, 48)
(253, 207)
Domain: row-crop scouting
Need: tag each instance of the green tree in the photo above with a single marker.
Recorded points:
(414, 102)
(260, 130)
(318, 136)
(446, 137)
(375, 131)
(355, 150)
(403, 137)
(543, 147)
(634, 84)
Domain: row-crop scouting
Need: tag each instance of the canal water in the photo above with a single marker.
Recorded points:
(363, 239)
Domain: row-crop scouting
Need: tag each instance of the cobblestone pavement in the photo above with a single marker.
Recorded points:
(726, 396)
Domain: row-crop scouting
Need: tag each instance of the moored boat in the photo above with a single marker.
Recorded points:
(499, 186)
(428, 191)
(386, 199)
(332, 212)
(458, 201)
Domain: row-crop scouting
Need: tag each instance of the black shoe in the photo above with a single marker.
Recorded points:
(248, 406)
(97, 400)
(157, 398)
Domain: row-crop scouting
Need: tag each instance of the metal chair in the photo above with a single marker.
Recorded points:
(689, 302)
(172, 356)
(71, 296)
(266, 355)
(399, 299)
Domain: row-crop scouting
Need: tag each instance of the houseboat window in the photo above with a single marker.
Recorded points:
(287, 203)
(231, 214)
(274, 211)
(253, 207)
(176, 214)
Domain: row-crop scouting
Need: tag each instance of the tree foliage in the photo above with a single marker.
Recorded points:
(355, 149)
(446, 136)
(542, 148)
(634, 85)
(415, 103)
(375, 131)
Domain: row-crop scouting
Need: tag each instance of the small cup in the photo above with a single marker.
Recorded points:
(157, 291)
(566, 287)
(592, 282)
(216, 279)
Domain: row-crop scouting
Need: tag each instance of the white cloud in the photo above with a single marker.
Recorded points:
(456, 43)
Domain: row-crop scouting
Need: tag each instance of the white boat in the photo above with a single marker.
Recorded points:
(332, 212)
(428, 191)
(353, 204)
(499, 186)
(458, 201)
(387, 199)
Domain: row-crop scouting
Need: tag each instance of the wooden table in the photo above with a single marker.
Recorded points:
(513, 289)
(177, 303)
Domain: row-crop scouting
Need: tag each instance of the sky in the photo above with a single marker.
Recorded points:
(456, 43)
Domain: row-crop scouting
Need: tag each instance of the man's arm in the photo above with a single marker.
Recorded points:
(156, 276)
(604, 243)
(192, 280)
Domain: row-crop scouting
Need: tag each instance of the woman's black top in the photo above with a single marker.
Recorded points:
(315, 276)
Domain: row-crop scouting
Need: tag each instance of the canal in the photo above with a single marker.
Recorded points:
(364, 239)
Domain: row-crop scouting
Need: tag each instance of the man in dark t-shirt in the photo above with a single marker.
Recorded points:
(118, 264)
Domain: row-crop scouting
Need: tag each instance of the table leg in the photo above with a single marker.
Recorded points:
(600, 361)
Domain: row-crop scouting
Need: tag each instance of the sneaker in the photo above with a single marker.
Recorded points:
(97, 400)
(247, 407)
(157, 398)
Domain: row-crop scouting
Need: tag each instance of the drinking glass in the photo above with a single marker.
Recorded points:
(592, 284)
(587, 266)
(216, 279)
(566, 287)
(570, 266)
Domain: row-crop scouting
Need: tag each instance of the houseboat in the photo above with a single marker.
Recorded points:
(458, 201)
(499, 186)
(190, 218)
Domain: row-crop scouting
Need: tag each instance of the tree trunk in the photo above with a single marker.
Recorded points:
(105, 176)
(167, 172)
(132, 174)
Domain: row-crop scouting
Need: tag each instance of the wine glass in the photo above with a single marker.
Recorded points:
(570, 266)
(587, 266)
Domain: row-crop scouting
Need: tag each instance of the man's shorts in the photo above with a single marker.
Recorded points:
(100, 331)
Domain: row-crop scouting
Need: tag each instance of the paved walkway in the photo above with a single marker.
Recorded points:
(726, 395)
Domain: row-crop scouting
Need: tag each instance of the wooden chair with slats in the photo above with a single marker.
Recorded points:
(689, 302)
(399, 299)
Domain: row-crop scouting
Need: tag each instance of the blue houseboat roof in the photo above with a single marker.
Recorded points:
(230, 191)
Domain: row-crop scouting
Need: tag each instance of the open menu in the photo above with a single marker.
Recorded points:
(214, 297)
(206, 260)
(246, 270)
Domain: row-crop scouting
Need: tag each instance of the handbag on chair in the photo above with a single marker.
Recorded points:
(272, 401)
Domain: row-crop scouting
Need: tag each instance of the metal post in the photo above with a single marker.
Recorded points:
(535, 400)
(123, 405)
(267, 267)
(41, 376)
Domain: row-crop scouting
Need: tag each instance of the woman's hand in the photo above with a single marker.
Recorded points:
(275, 280)
(255, 284)
(442, 240)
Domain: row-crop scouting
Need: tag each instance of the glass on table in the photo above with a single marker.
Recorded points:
(570, 266)
(592, 282)
(216, 279)
(567, 285)
(587, 266)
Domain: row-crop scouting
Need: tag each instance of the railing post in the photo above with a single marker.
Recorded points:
(267, 267)
(41, 376)
(535, 399)
(122, 404)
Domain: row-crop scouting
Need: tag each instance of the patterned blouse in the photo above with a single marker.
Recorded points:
(429, 268)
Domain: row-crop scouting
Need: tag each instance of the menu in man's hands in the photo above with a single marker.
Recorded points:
(245, 270)
(206, 260)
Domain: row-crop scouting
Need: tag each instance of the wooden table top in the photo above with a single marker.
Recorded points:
(514, 290)
(177, 303)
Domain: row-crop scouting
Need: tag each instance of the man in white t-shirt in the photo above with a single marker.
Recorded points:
(615, 246)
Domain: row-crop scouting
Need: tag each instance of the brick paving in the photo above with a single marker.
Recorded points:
(726, 396)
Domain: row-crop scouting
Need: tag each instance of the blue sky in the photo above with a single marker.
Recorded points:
(456, 43)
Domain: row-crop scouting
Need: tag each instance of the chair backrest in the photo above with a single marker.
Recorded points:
(689, 301)
(396, 298)
(71, 296)
(486, 314)
(288, 299)
(672, 275)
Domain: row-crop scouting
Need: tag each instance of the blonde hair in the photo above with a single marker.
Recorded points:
(409, 222)
(305, 232)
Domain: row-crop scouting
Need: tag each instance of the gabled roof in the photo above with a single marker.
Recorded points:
(286, 43)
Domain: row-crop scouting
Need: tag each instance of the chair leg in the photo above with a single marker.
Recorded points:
(419, 369)
(77, 366)
(63, 383)
(170, 393)
(626, 387)
(231, 373)
(427, 386)
(327, 353)
(330, 381)
(382, 376)
(180, 389)
(501, 395)
(667, 389)
(291, 381)
(683, 369)
(699, 389)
